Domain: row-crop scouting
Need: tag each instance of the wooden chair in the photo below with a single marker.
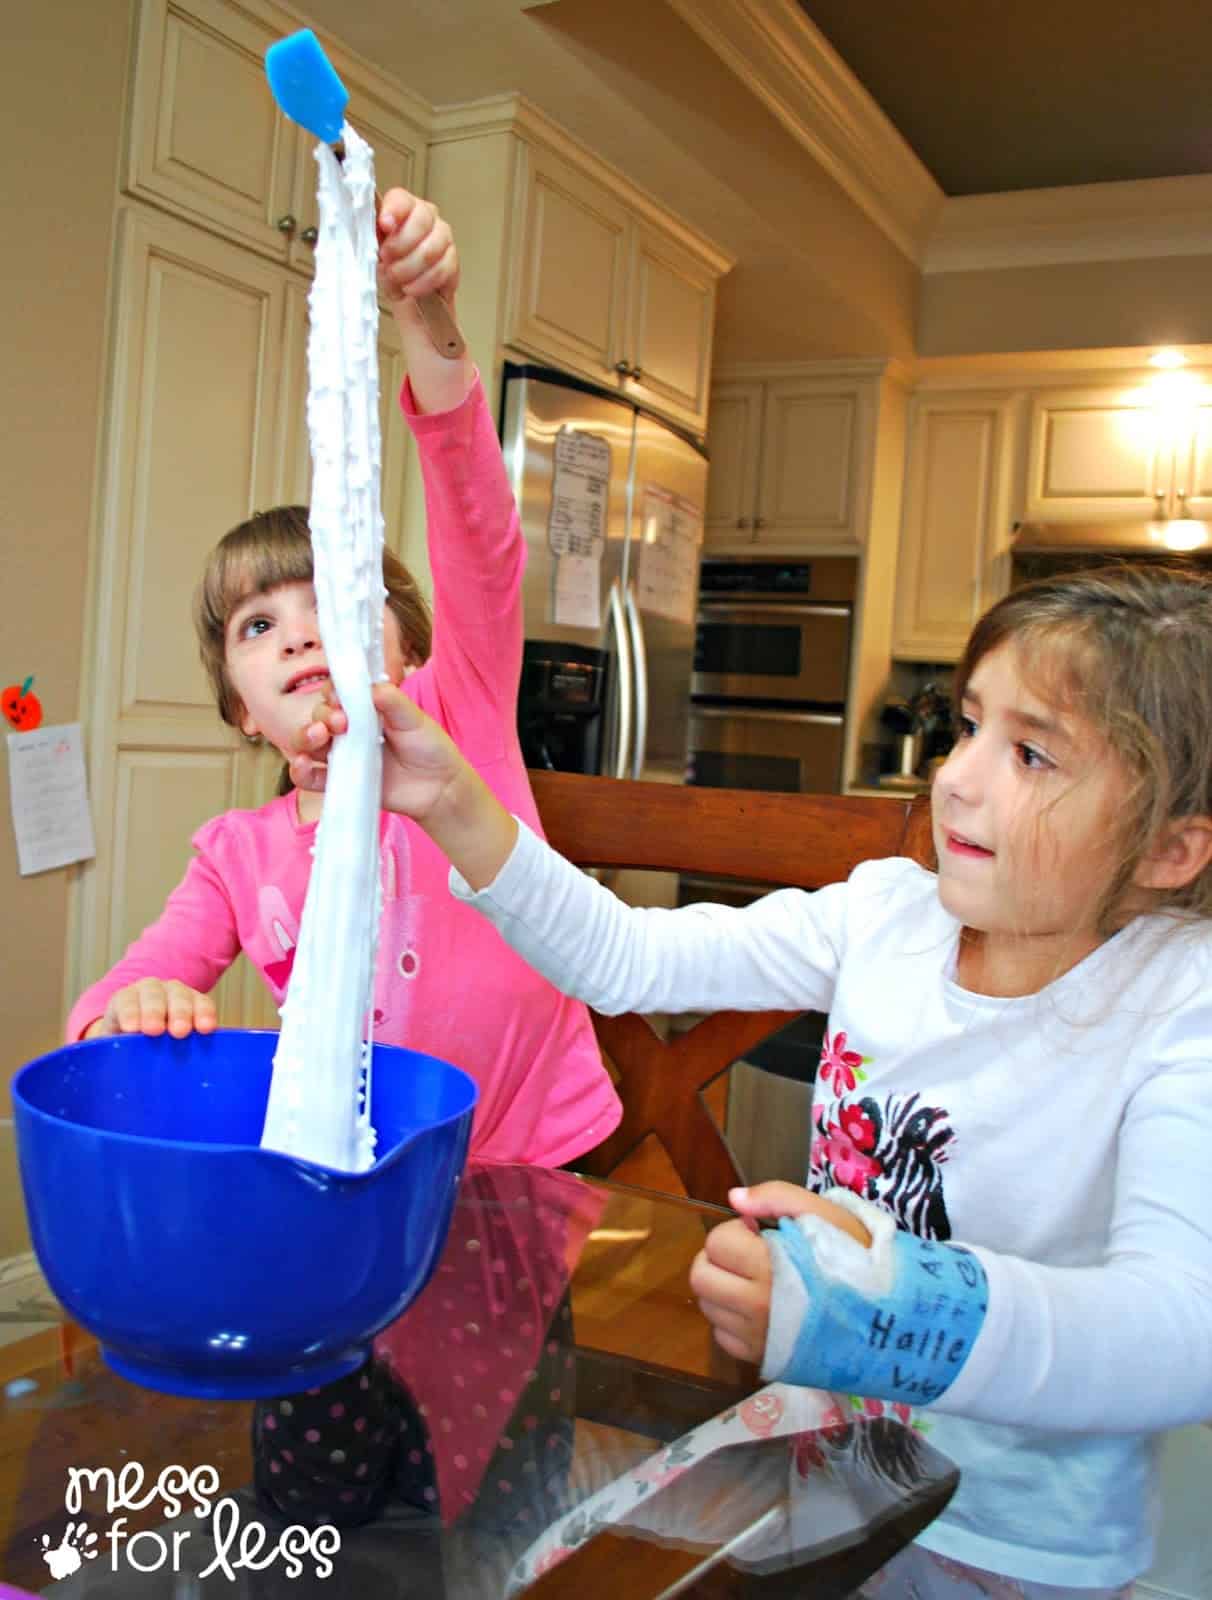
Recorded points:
(805, 841)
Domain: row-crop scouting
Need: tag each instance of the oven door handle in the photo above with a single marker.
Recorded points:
(737, 710)
(626, 690)
(709, 610)
(640, 653)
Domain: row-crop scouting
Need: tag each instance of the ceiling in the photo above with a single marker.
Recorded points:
(995, 96)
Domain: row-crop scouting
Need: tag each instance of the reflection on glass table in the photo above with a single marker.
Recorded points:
(549, 1417)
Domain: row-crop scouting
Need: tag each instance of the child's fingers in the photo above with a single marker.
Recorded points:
(738, 1349)
(122, 1012)
(394, 209)
(153, 1006)
(778, 1199)
(419, 256)
(206, 1018)
(399, 711)
(774, 1199)
(733, 1248)
(307, 773)
(180, 1010)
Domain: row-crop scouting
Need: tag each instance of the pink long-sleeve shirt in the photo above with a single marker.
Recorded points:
(446, 983)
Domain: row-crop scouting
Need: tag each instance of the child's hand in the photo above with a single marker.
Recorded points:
(731, 1275)
(153, 1005)
(419, 758)
(417, 256)
(424, 777)
(417, 252)
(731, 1278)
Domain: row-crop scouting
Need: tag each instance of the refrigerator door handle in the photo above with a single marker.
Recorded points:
(639, 651)
(625, 678)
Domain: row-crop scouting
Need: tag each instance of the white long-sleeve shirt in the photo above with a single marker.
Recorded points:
(1064, 1137)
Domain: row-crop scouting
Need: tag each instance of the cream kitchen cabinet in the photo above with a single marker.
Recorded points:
(953, 560)
(208, 142)
(193, 409)
(791, 461)
(607, 289)
(577, 265)
(1139, 449)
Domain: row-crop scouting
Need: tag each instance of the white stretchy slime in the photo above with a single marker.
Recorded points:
(320, 1093)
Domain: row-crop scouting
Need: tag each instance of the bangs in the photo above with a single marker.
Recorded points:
(259, 557)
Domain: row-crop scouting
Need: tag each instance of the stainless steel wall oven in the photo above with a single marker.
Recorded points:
(771, 665)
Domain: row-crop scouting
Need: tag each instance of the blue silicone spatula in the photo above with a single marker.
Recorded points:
(307, 88)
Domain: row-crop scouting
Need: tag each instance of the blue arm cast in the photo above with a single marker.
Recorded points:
(903, 1334)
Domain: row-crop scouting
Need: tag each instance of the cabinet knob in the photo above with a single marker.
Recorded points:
(759, 522)
(638, 374)
(287, 224)
(623, 368)
(742, 522)
(310, 235)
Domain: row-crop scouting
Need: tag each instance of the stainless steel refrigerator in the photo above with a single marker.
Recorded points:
(611, 500)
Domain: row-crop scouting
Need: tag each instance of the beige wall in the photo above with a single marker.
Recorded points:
(63, 72)
(1088, 305)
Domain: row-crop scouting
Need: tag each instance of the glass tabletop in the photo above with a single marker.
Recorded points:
(550, 1416)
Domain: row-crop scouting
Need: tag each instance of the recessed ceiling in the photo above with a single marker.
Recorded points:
(996, 96)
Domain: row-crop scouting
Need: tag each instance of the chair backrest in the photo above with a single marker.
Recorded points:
(802, 841)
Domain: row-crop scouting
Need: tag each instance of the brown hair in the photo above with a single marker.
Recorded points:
(1129, 649)
(271, 548)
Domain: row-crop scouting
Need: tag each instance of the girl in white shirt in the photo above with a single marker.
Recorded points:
(1008, 1213)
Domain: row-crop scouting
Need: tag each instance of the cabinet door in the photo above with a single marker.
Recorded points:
(734, 443)
(955, 531)
(207, 139)
(188, 453)
(1097, 454)
(816, 464)
(574, 256)
(1193, 466)
(671, 321)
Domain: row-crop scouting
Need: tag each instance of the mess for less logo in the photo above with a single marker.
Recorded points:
(175, 1490)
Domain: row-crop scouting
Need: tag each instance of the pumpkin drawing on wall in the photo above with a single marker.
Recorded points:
(21, 706)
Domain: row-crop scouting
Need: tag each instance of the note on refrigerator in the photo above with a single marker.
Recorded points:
(668, 566)
(577, 598)
(49, 796)
(576, 525)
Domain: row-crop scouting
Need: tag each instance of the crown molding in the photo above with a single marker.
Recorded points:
(832, 367)
(1084, 222)
(787, 63)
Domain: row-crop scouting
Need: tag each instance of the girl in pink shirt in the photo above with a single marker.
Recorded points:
(446, 982)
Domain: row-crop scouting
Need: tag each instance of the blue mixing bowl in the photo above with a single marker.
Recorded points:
(205, 1265)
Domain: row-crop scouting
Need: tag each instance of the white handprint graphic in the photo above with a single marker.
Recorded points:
(65, 1557)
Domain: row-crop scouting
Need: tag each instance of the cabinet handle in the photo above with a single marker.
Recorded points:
(310, 235)
(287, 224)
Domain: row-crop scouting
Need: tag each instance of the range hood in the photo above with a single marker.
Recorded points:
(1176, 536)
